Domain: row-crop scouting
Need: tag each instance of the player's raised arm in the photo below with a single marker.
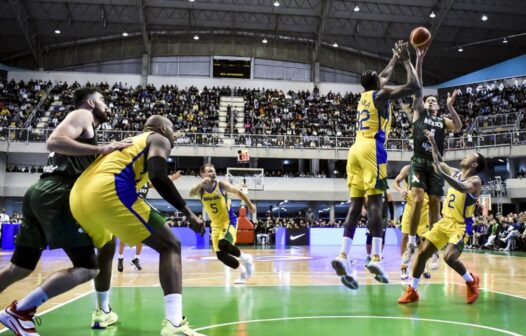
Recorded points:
(454, 124)
(401, 177)
(418, 99)
(196, 190)
(228, 187)
(412, 85)
(388, 70)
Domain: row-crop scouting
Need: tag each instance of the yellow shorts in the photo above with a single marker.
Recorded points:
(226, 230)
(367, 168)
(423, 224)
(103, 211)
(447, 231)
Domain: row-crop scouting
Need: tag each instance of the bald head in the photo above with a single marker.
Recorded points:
(161, 125)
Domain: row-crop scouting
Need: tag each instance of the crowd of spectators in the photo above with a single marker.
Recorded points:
(504, 233)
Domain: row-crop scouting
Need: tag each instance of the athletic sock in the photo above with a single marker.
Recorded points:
(346, 246)
(468, 277)
(136, 257)
(414, 283)
(377, 247)
(32, 300)
(412, 240)
(103, 301)
(121, 256)
(244, 256)
(173, 308)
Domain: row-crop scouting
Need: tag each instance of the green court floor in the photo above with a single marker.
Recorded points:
(301, 310)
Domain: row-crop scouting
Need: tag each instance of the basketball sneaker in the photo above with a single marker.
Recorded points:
(182, 330)
(120, 265)
(101, 320)
(342, 265)
(408, 254)
(375, 268)
(136, 264)
(243, 276)
(434, 262)
(21, 322)
(248, 262)
(409, 296)
(472, 290)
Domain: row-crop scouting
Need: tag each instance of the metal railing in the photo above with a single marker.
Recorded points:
(467, 141)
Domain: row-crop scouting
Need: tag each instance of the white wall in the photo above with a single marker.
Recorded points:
(70, 77)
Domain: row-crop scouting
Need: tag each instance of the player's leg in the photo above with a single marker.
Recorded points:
(227, 244)
(120, 259)
(135, 261)
(103, 316)
(374, 210)
(23, 263)
(368, 246)
(436, 191)
(417, 183)
(451, 257)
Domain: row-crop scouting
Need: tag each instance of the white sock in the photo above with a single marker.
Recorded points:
(32, 300)
(173, 308)
(468, 277)
(137, 256)
(412, 240)
(244, 256)
(242, 269)
(414, 283)
(377, 246)
(121, 256)
(346, 246)
(103, 301)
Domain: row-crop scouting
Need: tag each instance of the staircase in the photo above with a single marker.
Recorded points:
(37, 108)
(238, 106)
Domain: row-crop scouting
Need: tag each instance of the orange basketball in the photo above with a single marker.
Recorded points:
(420, 37)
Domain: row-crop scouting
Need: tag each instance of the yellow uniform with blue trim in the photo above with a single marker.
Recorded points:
(423, 224)
(224, 221)
(367, 159)
(457, 221)
(105, 199)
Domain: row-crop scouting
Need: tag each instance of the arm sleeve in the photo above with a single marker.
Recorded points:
(391, 209)
(158, 173)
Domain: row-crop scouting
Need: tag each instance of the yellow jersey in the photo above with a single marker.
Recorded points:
(217, 204)
(459, 206)
(370, 124)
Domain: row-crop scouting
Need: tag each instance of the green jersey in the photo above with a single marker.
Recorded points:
(434, 124)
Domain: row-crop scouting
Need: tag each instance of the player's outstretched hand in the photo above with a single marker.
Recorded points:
(421, 52)
(108, 148)
(175, 175)
(252, 207)
(451, 97)
(403, 51)
(206, 180)
(197, 225)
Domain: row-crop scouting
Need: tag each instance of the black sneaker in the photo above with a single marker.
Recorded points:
(135, 264)
(120, 265)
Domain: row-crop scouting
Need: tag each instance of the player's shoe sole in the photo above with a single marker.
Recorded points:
(376, 269)
(349, 282)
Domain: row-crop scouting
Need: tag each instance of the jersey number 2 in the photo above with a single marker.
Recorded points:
(364, 116)
(451, 201)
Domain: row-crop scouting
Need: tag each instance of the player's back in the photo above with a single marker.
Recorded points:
(216, 203)
(371, 122)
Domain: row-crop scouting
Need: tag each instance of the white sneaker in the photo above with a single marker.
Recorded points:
(249, 265)
(404, 275)
(342, 265)
(242, 279)
(408, 254)
(375, 268)
(434, 263)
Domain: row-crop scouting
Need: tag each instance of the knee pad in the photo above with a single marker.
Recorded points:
(26, 257)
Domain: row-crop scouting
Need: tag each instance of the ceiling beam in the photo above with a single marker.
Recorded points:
(143, 23)
(27, 28)
(326, 5)
(443, 13)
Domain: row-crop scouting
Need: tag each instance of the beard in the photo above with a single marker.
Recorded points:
(100, 115)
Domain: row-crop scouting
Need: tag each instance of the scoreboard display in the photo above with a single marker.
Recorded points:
(231, 68)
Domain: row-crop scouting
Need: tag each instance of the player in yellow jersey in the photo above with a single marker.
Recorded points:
(453, 229)
(367, 162)
(213, 195)
(423, 225)
(105, 202)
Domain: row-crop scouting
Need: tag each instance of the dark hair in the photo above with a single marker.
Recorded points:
(425, 98)
(369, 80)
(203, 167)
(481, 163)
(82, 94)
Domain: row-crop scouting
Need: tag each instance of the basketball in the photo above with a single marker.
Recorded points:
(420, 37)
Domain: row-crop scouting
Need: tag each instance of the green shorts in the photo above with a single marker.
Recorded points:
(47, 219)
(423, 175)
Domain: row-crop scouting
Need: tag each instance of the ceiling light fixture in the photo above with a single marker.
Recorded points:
(335, 44)
(196, 37)
(356, 8)
(276, 3)
(125, 33)
(264, 41)
(505, 41)
(484, 17)
(57, 30)
(432, 15)
(460, 49)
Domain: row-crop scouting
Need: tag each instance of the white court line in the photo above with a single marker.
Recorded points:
(362, 317)
(57, 306)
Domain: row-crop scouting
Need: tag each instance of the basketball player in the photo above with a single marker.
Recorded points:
(367, 163)
(387, 210)
(135, 262)
(453, 229)
(47, 220)
(422, 177)
(213, 195)
(423, 224)
(105, 202)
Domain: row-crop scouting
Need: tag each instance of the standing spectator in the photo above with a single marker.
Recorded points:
(4, 217)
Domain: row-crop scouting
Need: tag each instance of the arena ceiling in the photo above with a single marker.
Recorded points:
(29, 39)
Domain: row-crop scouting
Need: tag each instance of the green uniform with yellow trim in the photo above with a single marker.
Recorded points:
(367, 159)
(224, 221)
(105, 199)
(457, 221)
